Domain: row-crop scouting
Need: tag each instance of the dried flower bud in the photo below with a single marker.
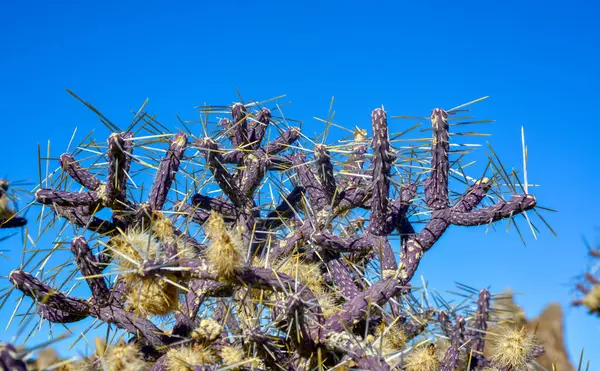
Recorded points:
(225, 252)
(424, 358)
(513, 348)
(209, 330)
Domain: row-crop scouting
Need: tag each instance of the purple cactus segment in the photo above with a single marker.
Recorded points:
(57, 316)
(307, 179)
(353, 198)
(134, 324)
(294, 314)
(186, 320)
(325, 171)
(275, 356)
(258, 127)
(278, 163)
(354, 165)
(450, 361)
(161, 364)
(382, 164)
(363, 355)
(78, 173)
(62, 198)
(457, 337)
(473, 196)
(251, 174)
(195, 214)
(396, 218)
(117, 167)
(478, 328)
(340, 274)
(13, 222)
(285, 210)
(80, 217)
(291, 243)
(44, 294)
(233, 157)
(166, 172)
(232, 134)
(10, 359)
(436, 186)
(239, 126)
(415, 326)
(445, 323)
(414, 248)
(334, 243)
(356, 309)
(490, 214)
(383, 249)
(591, 279)
(128, 149)
(208, 203)
(283, 142)
(89, 268)
(222, 176)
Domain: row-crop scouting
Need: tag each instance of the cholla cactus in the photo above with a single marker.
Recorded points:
(591, 286)
(273, 252)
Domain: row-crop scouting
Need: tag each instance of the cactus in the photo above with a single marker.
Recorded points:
(590, 288)
(256, 247)
(8, 217)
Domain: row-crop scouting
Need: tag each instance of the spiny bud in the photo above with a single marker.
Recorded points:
(424, 358)
(513, 348)
(307, 273)
(153, 296)
(209, 330)
(232, 355)
(224, 253)
(328, 305)
(186, 358)
(133, 246)
(392, 337)
(162, 227)
(123, 357)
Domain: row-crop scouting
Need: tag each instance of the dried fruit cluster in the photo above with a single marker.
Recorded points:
(254, 256)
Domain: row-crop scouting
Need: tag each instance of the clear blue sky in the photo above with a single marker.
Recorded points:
(537, 60)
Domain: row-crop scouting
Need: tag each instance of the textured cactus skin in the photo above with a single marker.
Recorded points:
(321, 195)
(9, 359)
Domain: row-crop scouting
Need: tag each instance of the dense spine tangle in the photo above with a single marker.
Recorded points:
(253, 250)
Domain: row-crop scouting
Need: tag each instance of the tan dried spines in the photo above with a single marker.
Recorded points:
(225, 253)
(123, 357)
(133, 247)
(308, 273)
(208, 331)
(513, 347)
(162, 227)
(592, 299)
(423, 358)
(359, 134)
(393, 336)
(153, 295)
(232, 355)
(187, 358)
(439, 119)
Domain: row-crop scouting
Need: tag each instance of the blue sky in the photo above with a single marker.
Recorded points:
(536, 60)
